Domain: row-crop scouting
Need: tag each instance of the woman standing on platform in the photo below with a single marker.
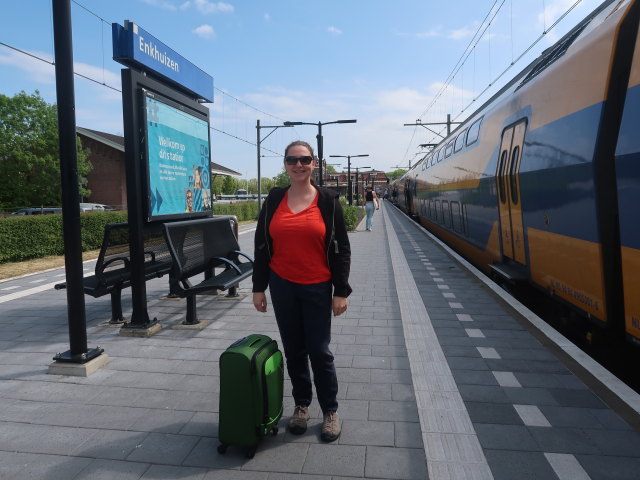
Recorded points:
(371, 202)
(302, 254)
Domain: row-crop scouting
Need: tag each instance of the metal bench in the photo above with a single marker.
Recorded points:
(112, 272)
(199, 247)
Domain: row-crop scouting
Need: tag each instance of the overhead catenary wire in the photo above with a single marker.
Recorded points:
(493, 81)
(103, 83)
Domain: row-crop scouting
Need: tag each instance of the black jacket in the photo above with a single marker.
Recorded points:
(336, 241)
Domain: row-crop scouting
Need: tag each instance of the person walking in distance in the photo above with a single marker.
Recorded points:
(302, 254)
(371, 202)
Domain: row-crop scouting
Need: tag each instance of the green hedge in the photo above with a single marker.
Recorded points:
(245, 211)
(36, 236)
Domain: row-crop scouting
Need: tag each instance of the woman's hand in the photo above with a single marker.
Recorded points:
(260, 301)
(339, 305)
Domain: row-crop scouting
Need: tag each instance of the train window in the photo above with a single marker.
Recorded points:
(456, 217)
(430, 211)
(512, 175)
(446, 211)
(438, 156)
(474, 132)
(448, 149)
(459, 142)
(465, 220)
(501, 185)
(438, 212)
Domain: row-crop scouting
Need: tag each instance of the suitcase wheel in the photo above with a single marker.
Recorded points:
(274, 431)
(251, 452)
(222, 448)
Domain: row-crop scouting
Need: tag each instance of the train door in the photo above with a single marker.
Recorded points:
(508, 183)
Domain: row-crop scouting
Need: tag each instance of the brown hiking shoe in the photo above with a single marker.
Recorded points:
(330, 427)
(298, 422)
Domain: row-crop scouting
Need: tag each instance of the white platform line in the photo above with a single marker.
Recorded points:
(488, 352)
(566, 466)
(25, 293)
(449, 440)
(474, 332)
(532, 416)
(507, 379)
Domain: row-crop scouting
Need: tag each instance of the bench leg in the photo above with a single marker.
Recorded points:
(192, 314)
(233, 292)
(116, 307)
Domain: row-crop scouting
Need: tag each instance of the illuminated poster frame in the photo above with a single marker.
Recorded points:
(176, 157)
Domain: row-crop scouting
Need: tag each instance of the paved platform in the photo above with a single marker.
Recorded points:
(439, 377)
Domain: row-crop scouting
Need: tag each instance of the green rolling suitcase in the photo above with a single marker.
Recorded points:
(251, 387)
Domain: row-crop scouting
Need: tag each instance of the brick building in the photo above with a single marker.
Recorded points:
(107, 179)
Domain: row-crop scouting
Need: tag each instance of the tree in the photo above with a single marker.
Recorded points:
(282, 179)
(330, 169)
(229, 185)
(217, 186)
(396, 174)
(266, 184)
(30, 153)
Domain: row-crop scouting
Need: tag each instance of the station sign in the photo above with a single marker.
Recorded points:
(135, 47)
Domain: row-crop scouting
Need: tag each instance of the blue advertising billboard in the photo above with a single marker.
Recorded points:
(178, 159)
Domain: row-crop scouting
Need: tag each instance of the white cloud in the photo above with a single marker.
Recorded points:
(429, 34)
(461, 33)
(206, 7)
(39, 71)
(434, 32)
(161, 4)
(552, 11)
(334, 31)
(401, 100)
(42, 72)
(205, 31)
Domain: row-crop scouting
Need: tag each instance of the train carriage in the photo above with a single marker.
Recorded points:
(542, 183)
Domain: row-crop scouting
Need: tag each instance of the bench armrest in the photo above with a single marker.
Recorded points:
(227, 262)
(242, 254)
(125, 260)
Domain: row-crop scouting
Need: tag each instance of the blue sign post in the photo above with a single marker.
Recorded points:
(134, 47)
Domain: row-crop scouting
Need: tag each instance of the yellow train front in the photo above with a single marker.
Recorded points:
(542, 183)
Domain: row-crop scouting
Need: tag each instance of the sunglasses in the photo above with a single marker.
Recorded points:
(294, 160)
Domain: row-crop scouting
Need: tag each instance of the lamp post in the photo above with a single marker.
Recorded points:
(319, 139)
(258, 142)
(357, 189)
(337, 177)
(349, 157)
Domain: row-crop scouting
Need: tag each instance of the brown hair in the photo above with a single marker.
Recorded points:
(299, 143)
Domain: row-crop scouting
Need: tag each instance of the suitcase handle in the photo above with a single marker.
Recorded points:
(238, 342)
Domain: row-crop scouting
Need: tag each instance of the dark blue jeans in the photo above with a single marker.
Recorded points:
(303, 313)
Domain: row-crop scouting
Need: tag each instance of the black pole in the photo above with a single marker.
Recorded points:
(349, 180)
(259, 180)
(320, 152)
(131, 113)
(65, 95)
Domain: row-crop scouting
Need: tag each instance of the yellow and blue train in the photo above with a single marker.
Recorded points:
(542, 183)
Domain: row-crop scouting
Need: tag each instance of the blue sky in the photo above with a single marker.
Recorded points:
(380, 62)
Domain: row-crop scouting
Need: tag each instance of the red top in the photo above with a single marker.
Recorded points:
(298, 244)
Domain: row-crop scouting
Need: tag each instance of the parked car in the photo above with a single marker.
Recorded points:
(86, 207)
(37, 211)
